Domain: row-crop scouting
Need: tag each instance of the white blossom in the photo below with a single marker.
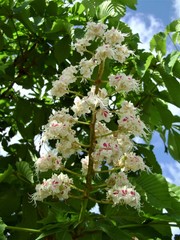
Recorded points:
(50, 161)
(68, 146)
(114, 36)
(129, 121)
(124, 195)
(103, 52)
(87, 67)
(80, 106)
(57, 186)
(121, 52)
(103, 114)
(94, 30)
(119, 179)
(132, 162)
(81, 45)
(59, 88)
(123, 83)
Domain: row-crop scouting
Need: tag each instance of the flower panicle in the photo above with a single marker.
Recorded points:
(109, 148)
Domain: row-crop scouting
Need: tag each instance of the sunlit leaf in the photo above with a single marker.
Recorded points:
(173, 26)
(158, 43)
(156, 188)
(109, 8)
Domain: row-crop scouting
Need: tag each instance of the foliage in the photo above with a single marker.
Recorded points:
(35, 47)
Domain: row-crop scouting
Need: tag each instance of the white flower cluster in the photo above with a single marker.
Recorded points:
(47, 162)
(111, 47)
(121, 190)
(60, 127)
(123, 83)
(111, 43)
(111, 148)
(91, 102)
(57, 186)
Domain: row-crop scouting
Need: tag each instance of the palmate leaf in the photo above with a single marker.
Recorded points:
(110, 8)
(25, 171)
(156, 189)
(91, 6)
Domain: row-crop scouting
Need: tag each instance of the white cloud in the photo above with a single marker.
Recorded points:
(145, 25)
(176, 8)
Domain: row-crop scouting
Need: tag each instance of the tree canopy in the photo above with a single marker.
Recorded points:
(37, 39)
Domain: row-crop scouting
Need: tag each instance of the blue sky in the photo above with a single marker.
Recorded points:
(161, 9)
(151, 17)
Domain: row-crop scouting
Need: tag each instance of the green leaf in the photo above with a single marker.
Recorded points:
(26, 114)
(173, 86)
(6, 173)
(164, 229)
(9, 200)
(2, 228)
(52, 8)
(130, 3)
(1, 41)
(25, 170)
(176, 37)
(22, 14)
(149, 157)
(63, 236)
(61, 26)
(110, 8)
(39, 6)
(148, 62)
(52, 229)
(7, 29)
(165, 113)
(174, 190)
(156, 188)
(173, 26)
(62, 49)
(91, 6)
(150, 113)
(174, 144)
(174, 56)
(114, 232)
(158, 43)
(176, 68)
(94, 236)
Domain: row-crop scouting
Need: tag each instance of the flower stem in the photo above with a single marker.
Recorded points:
(23, 229)
(71, 172)
(92, 141)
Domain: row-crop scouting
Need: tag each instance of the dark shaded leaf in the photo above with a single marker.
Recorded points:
(2, 228)
(173, 86)
(25, 170)
(174, 144)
